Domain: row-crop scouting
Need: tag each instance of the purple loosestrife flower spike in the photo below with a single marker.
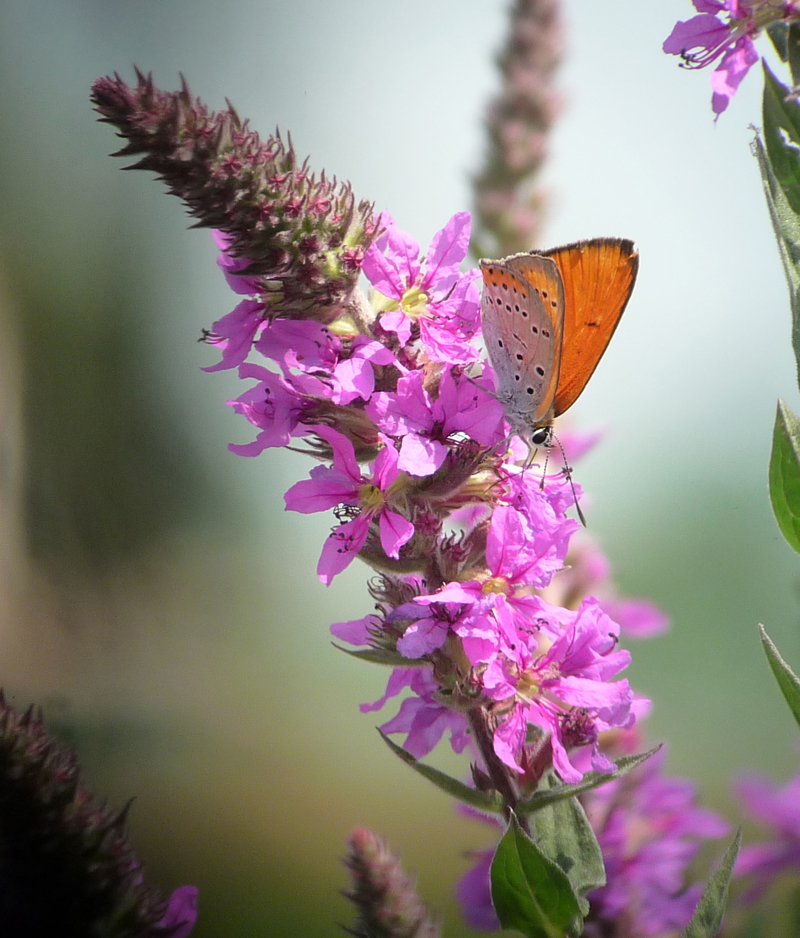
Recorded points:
(387, 902)
(508, 209)
(302, 238)
(67, 867)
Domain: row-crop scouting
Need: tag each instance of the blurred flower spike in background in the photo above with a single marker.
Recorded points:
(723, 31)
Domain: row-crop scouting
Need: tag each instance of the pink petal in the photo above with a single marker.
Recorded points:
(181, 911)
(404, 251)
(469, 592)
(425, 723)
(561, 762)
(382, 273)
(344, 454)
(354, 378)
(236, 331)
(319, 494)
(395, 531)
(355, 631)
(728, 75)
(700, 32)
(395, 320)
(507, 536)
(399, 679)
(420, 456)
(447, 249)
(637, 618)
(341, 548)
(422, 637)
(385, 468)
(509, 738)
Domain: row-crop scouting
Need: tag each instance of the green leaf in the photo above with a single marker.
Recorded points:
(530, 892)
(779, 36)
(483, 800)
(383, 656)
(786, 226)
(782, 136)
(793, 53)
(544, 797)
(707, 918)
(784, 474)
(788, 681)
(563, 833)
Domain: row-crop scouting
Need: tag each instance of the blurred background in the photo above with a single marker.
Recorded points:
(154, 597)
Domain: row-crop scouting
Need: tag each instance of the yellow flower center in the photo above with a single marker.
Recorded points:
(414, 303)
(371, 497)
(497, 584)
(527, 686)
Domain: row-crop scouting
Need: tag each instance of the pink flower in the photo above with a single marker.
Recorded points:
(425, 426)
(327, 369)
(565, 690)
(343, 484)
(422, 717)
(474, 892)
(521, 551)
(637, 618)
(272, 405)
(706, 38)
(777, 807)
(234, 333)
(181, 913)
(428, 292)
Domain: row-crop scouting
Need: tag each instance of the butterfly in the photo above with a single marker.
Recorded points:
(547, 319)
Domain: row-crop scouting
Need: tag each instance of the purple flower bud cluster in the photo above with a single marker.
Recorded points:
(387, 903)
(303, 238)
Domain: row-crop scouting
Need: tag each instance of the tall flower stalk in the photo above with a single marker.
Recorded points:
(509, 206)
(502, 648)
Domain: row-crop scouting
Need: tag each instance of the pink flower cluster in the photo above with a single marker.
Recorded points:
(398, 406)
(723, 32)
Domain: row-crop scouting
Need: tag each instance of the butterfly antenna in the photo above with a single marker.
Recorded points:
(568, 473)
(544, 468)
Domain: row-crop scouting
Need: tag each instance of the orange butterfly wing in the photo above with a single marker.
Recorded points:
(598, 278)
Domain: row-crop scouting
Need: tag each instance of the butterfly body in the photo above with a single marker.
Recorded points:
(547, 320)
